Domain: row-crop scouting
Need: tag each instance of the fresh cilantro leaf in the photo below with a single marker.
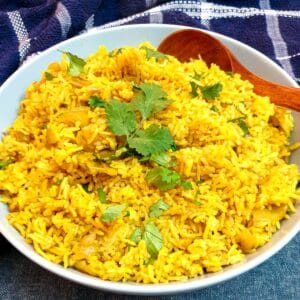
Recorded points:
(298, 184)
(163, 159)
(85, 186)
(163, 178)
(194, 87)
(196, 201)
(76, 64)
(153, 239)
(48, 76)
(5, 163)
(58, 181)
(200, 181)
(119, 153)
(197, 76)
(214, 108)
(95, 101)
(229, 73)
(150, 100)
(113, 212)
(211, 92)
(154, 53)
(154, 139)
(186, 184)
(101, 195)
(44, 126)
(158, 208)
(115, 52)
(173, 147)
(136, 235)
(242, 124)
(121, 119)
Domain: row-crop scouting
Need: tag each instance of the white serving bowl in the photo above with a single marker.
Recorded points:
(12, 91)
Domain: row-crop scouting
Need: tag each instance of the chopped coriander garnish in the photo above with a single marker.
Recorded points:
(242, 124)
(200, 181)
(85, 186)
(101, 195)
(95, 101)
(214, 108)
(194, 87)
(154, 53)
(196, 201)
(136, 235)
(229, 73)
(121, 119)
(153, 239)
(48, 76)
(211, 92)
(115, 52)
(158, 208)
(113, 212)
(163, 178)
(5, 163)
(173, 147)
(150, 100)
(186, 184)
(197, 76)
(154, 139)
(244, 127)
(76, 64)
(298, 184)
(163, 159)
(59, 181)
(119, 153)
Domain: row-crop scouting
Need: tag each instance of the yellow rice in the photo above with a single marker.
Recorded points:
(247, 186)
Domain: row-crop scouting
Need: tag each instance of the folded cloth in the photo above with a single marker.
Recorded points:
(31, 26)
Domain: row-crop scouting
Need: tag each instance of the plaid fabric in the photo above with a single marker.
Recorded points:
(31, 26)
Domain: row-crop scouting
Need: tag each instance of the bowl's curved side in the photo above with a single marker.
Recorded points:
(12, 92)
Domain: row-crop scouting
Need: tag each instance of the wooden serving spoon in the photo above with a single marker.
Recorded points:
(189, 43)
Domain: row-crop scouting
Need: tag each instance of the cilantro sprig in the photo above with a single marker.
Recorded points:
(242, 124)
(113, 212)
(95, 101)
(153, 239)
(149, 100)
(5, 163)
(120, 117)
(154, 53)
(136, 235)
(122, 121)
(76, 64)
(152, 140)
(101, 195)
(165, 179)
(158, 208)
(208, 92)
(149, 143)
(48, 76)
(162, 159)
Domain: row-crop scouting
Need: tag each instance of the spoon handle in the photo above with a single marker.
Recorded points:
(278, 94)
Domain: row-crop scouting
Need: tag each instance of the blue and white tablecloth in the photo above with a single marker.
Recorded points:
(31, 26)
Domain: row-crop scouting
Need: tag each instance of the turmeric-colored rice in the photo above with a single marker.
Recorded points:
(242, 184)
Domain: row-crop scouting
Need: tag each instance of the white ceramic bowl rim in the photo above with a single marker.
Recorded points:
(133, 288)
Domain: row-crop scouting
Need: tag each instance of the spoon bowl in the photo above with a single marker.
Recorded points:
(189, 44)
